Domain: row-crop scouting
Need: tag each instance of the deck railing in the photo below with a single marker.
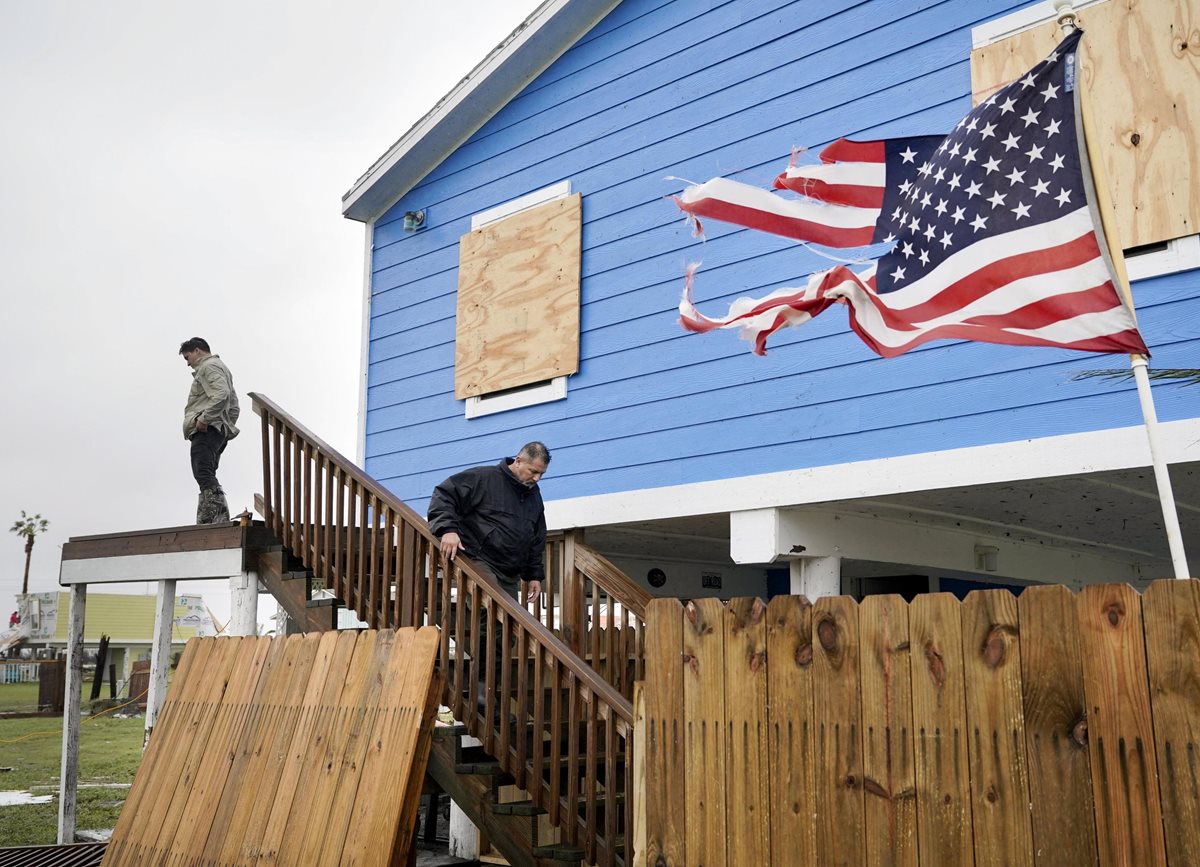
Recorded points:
(597, 610)
(563, 731)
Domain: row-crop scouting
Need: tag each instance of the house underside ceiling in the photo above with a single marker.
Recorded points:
(1113, 513)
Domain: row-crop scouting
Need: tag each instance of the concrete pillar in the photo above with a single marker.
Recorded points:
(243, 597)
(160, 654)
(815, 577)
(69, 769)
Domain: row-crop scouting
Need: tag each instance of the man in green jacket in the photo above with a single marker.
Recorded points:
(209, 422)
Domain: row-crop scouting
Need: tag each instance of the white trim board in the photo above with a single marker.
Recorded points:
(364, 352)
(1047, 457)
(1023, 19)
(177, 565)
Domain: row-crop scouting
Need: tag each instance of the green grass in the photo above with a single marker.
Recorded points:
(19, 697)
(109, 752)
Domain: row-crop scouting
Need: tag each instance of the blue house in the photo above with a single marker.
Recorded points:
(526, 262)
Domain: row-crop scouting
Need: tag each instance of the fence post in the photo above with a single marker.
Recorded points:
(69, 773)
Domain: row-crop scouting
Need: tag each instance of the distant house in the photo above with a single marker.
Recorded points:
(127, 620)
(525, 262)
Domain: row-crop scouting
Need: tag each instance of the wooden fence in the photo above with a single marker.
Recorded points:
(309, 749)
(1049, 729)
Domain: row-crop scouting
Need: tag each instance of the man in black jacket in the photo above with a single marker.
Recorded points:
(494, 515)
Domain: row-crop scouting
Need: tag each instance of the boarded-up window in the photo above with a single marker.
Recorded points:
(518, 300)
(1140, 62)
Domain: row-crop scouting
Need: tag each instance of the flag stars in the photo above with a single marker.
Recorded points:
(1011, 142)
(946, 240)
(969, 156)
(1007, 105)
(1030, 117)
(896, 213)
(1057, 162)
(915, 225)
(930, 232)
(958, 216)
(1063, 197)
(906, 186)
(972, 123)
(925, 170)
(979, 223)
(908, 154)
(973, 189)
(988, 131)
(926, 200)
(1028, 81)
(1021, 210)
(941, 207)
(1016, 177)
(924, 257)
(1039, 188)
(992, 165)
(955, 181)
(1052, 128)
(941, 174)
(1051, 92)
(907, 249)
(954, 148)
(997, 199)
(1034, 152)
(898, 274)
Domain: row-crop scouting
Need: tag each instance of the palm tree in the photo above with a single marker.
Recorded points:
(28, 527)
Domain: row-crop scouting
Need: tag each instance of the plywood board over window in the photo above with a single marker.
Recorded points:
(1140, 62)
(518, 300)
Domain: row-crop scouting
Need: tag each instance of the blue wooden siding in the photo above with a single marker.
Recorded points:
(696, 89)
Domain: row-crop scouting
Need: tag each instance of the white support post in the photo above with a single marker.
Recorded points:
(1166, 495)
(160, 654)
(815, 577)
(464, 836)
(243, 596)
(69, 772)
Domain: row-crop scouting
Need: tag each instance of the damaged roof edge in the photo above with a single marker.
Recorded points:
(539, 40)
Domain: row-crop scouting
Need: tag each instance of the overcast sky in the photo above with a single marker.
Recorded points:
(170, 170)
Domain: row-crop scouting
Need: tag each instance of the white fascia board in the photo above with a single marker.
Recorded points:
(174, 566)
(541, 39)
(1047, 457)
(364, 358)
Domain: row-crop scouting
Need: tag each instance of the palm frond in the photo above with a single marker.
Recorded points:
(1187, 376)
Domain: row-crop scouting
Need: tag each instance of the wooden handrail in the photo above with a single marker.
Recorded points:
(541, 701)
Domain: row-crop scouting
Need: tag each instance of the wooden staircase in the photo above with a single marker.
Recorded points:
(557, 719)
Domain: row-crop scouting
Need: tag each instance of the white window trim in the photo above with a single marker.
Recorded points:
(530, 200)
(1181, 254)
(540, 392)
(1023, 19)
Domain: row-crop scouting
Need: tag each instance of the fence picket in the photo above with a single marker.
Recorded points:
(1060, 780)
(1172, 610)
(791, 724)
(704, 716)
(837, 702)
(665, 793)
(747, 761)
(944, 827)
(1120, 737)
(889, 781)
(995, 720)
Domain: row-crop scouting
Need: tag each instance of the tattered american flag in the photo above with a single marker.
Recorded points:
(995, 237)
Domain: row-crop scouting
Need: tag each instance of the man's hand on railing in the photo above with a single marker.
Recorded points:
(450, 545)
(533, 589)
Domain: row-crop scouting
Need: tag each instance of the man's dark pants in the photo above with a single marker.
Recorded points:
(496, 651)
(207, 446)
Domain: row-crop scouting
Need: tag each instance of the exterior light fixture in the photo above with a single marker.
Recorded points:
(985, 557)
(414, 220)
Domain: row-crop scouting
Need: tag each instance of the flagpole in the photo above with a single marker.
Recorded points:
(1138, 363)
